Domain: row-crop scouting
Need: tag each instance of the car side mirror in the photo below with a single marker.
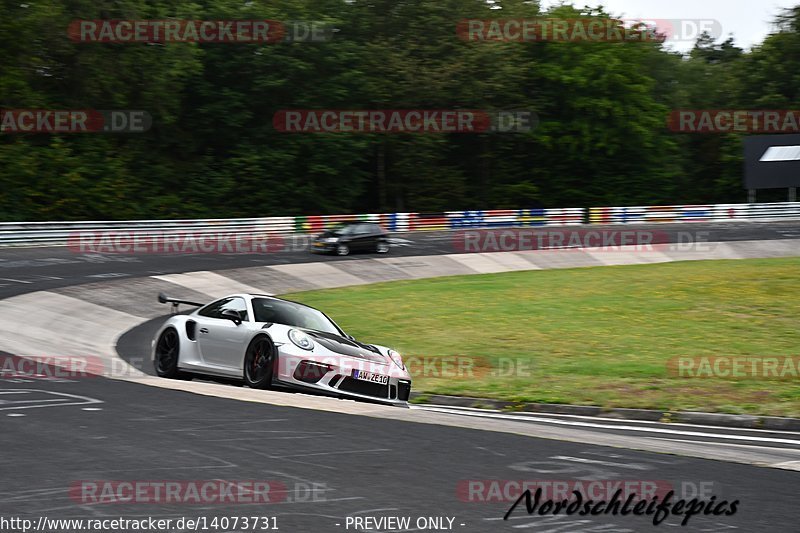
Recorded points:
(230, 314)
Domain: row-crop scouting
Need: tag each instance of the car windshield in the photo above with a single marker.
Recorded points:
(344, 229)
(292, 314)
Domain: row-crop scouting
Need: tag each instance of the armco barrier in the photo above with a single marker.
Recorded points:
(451, 219)
(694, 213)
(60, 233)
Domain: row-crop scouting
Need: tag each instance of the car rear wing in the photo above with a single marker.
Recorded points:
(164, 299)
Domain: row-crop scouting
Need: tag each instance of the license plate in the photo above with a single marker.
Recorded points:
(371, 377)
(318, 244)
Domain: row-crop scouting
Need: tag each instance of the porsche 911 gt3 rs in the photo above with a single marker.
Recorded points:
(266, 341)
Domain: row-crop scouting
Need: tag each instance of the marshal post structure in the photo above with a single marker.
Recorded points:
(772, 162)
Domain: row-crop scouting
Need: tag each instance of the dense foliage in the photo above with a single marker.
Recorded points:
(212, 151)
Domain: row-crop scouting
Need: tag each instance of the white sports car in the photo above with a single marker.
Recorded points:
(268, 341)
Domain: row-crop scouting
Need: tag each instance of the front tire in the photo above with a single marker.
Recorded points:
(342, 249)
(259, 362)
(167, 354)
(382, 247)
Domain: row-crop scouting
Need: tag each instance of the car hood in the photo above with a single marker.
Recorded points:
(344, 346)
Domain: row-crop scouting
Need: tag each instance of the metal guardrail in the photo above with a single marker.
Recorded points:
(60, 233)
(402, 222)
(63, 233)
(695, 213)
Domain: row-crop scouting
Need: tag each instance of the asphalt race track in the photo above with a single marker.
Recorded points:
(325, 468)
(330, 465)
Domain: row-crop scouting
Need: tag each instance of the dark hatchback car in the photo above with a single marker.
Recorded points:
(351, 237)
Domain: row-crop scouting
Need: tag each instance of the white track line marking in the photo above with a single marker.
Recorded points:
(620, 428)
(77, 400)
(597, 462)
(331, 453)
(607, 419)
(6, 402)
(788, 465)
(729, 444)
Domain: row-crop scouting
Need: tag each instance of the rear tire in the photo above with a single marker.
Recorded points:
(259, 362)
(167, 354)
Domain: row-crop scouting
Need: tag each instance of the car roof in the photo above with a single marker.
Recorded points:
(253, 295)
(269, 297)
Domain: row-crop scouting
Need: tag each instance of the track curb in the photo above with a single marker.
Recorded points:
(650, 415)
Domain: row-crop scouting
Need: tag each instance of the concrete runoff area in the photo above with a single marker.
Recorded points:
(324, 467)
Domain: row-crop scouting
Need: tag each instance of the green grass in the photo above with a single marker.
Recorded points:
(593, 336)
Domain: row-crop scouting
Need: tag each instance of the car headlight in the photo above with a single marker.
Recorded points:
(396, 359)
(301, 339)
(331, 239)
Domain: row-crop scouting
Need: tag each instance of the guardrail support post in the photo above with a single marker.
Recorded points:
(751, 196)
(792, 194)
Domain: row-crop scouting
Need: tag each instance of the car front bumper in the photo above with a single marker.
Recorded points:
(323, 247)
(333, 375)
